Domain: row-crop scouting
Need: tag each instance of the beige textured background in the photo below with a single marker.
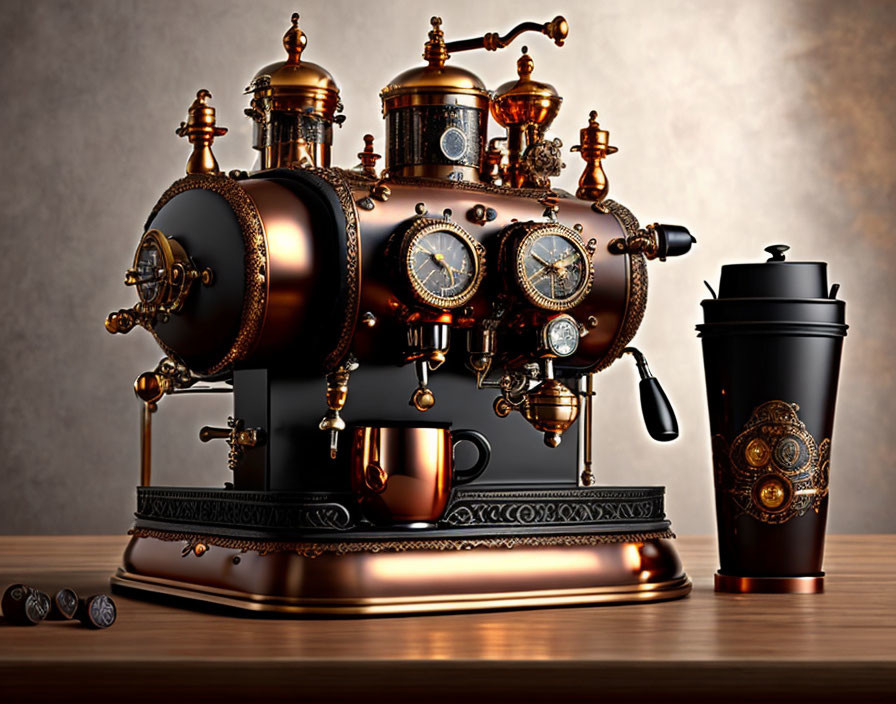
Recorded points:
(749, 121)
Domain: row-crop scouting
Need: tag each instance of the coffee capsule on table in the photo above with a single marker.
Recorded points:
(97, 611)
(24, 606)
(64, 606)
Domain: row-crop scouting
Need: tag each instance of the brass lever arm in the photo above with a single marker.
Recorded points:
(557, 29)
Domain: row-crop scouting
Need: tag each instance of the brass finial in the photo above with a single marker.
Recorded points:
(200, 129)
(367, 157)
(434, 50)
(594, 145)
(525, 65)
(294, 41)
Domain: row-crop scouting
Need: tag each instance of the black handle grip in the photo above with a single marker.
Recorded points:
(673, 240)
(659, 417)
(485, 453)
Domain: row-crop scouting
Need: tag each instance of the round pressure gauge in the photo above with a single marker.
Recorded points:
(552, 266)
(453, 143)
(442, 263)
(560, 336)
(150, 270)
(162, 272)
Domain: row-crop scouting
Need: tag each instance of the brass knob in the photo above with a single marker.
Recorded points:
(422, 399)
(121, 322)
(208, 433)
(150, 387)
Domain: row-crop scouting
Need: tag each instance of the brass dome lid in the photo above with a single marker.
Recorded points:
(524, 101)
(295, 84)
(444, 79)
(429, 84)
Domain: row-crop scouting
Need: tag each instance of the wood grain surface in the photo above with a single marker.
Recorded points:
(837, 646)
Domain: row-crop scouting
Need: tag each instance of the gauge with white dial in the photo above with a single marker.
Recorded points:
(561, 336)
(443, 263)
(553, 268)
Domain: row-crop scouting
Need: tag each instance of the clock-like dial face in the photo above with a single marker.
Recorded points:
(443, 263)
(553, 269)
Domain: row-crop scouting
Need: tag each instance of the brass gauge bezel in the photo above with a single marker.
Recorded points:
(179, 273)
(425, 226)
(533, 295)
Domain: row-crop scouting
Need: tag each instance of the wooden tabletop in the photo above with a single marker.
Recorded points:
(840, 645)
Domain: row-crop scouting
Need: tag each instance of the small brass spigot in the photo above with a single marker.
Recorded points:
(337, 395)
(368, 157)
(238, 437)
(594, 146)
(200, 130)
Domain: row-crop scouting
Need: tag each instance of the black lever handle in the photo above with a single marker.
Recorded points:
(659, 417)
(673, 240)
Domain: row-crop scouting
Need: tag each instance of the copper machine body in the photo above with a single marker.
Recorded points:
(304, 290)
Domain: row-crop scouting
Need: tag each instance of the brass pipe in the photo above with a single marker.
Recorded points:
(587, 473)
(557, 29)
(146, 444)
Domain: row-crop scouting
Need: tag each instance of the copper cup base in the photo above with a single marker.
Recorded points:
(733, 584)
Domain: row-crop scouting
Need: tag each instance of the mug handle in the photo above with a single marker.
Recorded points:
(485, 453)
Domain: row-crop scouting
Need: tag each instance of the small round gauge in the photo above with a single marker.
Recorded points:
(162, 272)
(561, 336)
(443, 264)
(553, 268)
(453, 143)
(150, 270)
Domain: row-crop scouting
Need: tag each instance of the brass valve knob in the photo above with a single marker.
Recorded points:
(368, 157)
(122, 321)
(238, 438)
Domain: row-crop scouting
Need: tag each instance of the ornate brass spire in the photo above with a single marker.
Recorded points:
(294, 41)
(200, 129)
(594, 145)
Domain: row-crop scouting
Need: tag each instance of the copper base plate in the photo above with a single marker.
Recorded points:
(406, 582)
(769, 585)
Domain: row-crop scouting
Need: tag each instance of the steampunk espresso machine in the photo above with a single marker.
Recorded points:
(357, 315)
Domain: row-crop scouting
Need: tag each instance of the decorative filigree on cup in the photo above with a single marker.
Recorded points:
(774, 470)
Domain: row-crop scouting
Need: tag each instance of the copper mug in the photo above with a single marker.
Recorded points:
(403, 474)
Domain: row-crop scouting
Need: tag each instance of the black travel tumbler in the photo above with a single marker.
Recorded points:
(772, 341)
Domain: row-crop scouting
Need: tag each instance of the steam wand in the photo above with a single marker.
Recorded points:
(659, 417)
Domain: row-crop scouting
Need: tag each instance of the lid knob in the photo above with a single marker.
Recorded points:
(434, 50)
(777, 252)
(294, 41)
(525, 65)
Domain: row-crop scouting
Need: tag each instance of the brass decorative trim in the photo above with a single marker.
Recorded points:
(637, 285)
(255, 258)
(534, 193)
(774, 470)
(311, 550)
(337, 180)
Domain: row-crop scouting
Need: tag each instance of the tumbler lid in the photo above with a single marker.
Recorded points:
(775, 278)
